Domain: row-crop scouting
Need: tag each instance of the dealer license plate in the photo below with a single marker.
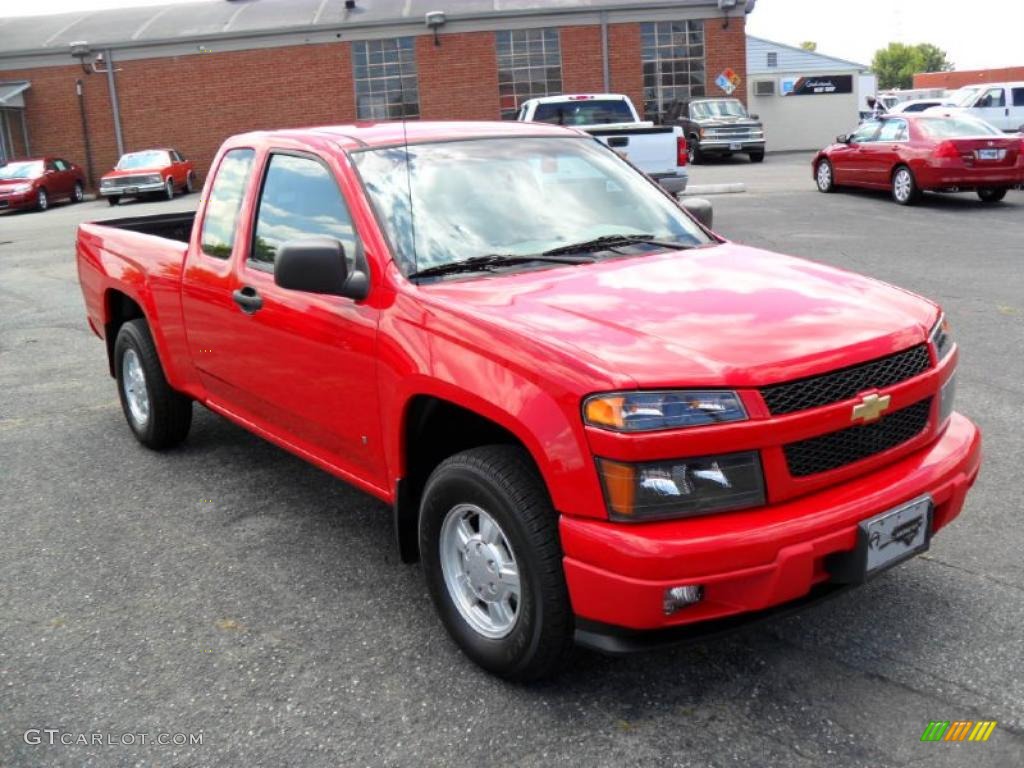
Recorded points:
(898, 534)
(130, 190)
(991, 154)
(735, 146)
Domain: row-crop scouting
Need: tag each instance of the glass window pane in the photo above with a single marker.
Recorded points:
(221, 217)
(386, 80)
(673, 63)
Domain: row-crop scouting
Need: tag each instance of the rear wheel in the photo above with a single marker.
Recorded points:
(493, 562)
(78, 193)
(42, 199)
(991, 195)
(825, 177)
(159, 416)
(904, 186)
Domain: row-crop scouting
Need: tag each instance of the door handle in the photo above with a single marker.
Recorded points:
(248, 300)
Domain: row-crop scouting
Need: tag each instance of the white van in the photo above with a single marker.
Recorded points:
(1000, 104)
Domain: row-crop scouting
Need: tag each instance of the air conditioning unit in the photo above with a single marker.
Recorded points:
(764, 87)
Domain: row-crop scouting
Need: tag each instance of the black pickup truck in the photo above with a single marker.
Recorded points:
(717, 127)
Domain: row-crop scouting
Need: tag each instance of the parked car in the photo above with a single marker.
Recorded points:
(611, 118)
(1000, 104)
(148, 172)
(918, 105)
(911, 154)
(36, 182)
(594, 419)
(717, 127)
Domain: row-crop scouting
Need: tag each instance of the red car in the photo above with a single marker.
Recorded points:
(910, 154)
(149, 172)
(38, 181)
(594, 419)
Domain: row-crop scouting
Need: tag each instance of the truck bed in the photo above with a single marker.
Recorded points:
(171, 226)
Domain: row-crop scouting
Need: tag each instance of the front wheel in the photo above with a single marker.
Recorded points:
(42, 199)
(757, 157)
(493, 562)
(159, 416)
(904, 187)
(825, 177)
(112, 201)
(169, 188)
(693, 153)
(190, 183)
(991, 195)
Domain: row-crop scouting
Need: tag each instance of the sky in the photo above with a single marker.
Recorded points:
(974, 36)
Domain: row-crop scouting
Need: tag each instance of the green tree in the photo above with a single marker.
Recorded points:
(897, 64)
(809, 45)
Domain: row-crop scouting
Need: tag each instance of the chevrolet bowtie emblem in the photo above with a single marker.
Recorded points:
(871, 408)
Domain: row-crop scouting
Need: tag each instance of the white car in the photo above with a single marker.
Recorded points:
(1000, 104)
(919, 105)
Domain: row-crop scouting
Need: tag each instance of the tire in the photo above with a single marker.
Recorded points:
(757, 157)
(693, 154)
(190, 183)
(42, 200)
(112, 201)
(169, 188)
(824, 177)
(533, 634)
(167, 416)
(991, 195)
(904, 186)
(78, 193)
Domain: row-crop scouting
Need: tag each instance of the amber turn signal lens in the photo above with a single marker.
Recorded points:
(620, 486)
(605, 411)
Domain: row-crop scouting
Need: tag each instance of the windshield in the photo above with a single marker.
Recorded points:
(957, 127)
(964, 97)
(512, 196)
(589, 112)
(717, 108)
(155, 158)
(25, 170)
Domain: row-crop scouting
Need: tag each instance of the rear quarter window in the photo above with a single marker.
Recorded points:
(225, 202)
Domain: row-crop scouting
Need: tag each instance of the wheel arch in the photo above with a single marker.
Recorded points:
(119, 308)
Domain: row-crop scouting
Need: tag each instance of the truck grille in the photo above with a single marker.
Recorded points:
(130, 181)
(837, 449)
(846, 383)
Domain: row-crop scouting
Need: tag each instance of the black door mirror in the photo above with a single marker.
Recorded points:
(843, 138)
(700, 209)
(317, 265)
(755, 117)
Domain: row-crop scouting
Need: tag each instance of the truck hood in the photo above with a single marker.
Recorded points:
(723, 315)
(135, 171)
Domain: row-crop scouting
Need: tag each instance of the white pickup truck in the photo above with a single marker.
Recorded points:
(658, 151)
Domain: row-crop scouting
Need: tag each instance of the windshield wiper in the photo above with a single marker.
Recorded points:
(491, 261)
(614, 241)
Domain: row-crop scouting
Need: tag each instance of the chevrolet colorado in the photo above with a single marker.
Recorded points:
(595, 419)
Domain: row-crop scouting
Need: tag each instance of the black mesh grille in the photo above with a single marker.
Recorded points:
(846, 383)
(837, 449)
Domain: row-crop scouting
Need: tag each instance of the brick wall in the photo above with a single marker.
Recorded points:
(194, 102)
(954, 80)
(726, 48)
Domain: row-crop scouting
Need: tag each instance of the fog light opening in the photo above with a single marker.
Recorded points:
(678, 598)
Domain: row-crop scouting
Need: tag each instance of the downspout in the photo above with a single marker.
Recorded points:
(114, 103)
(24, 134)
(80, 88)
(605, 67)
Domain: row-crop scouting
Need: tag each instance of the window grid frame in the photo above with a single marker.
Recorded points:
(522, 54)
(661, 44)
(385, 78)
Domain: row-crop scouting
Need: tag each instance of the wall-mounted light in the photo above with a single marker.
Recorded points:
(725, 6)
(81, 51)
(434, 21)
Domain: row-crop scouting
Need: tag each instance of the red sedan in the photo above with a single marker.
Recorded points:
(151, 171)
(911, 154)
(35, 182)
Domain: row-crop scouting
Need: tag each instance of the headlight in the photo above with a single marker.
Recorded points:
(672, 409)
(681, 487)
(106, 182)
(942, 338)
(154, 179)
(22, 188)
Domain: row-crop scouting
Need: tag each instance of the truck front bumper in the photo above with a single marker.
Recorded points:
(135, 189)
(750, 564)
(724, 146)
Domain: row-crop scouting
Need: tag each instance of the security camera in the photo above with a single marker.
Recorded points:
(435, 19)
(725, 5)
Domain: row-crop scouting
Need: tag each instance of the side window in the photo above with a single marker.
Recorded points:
(993, 98)
(225, 202)
(51, 165)
(300, 199)
(60, 164)
(893, 130)
(865, 133)
(1018, 97)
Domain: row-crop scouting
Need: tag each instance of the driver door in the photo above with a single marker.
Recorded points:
(992, 107)
(851, 162)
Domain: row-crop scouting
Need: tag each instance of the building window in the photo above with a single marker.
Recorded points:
(773, 59)
(529, 66)
(385, 75)
(673, 61)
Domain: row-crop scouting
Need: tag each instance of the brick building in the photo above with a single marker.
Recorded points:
(188, 75)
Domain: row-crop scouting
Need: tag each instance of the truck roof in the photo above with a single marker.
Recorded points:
(392, 133)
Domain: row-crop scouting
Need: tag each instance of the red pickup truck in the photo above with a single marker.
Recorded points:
(595, 419)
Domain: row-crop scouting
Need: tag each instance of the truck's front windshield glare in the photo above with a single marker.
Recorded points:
(460, 200)
(149, 159)
(702, 110)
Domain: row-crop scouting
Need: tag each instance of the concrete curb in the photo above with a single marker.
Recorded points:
(714, 189)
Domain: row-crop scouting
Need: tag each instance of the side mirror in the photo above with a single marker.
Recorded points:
(843, 138)
(317, 265)
(700, 209)
(755, 117)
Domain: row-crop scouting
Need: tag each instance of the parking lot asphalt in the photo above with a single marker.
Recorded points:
(228, 589)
